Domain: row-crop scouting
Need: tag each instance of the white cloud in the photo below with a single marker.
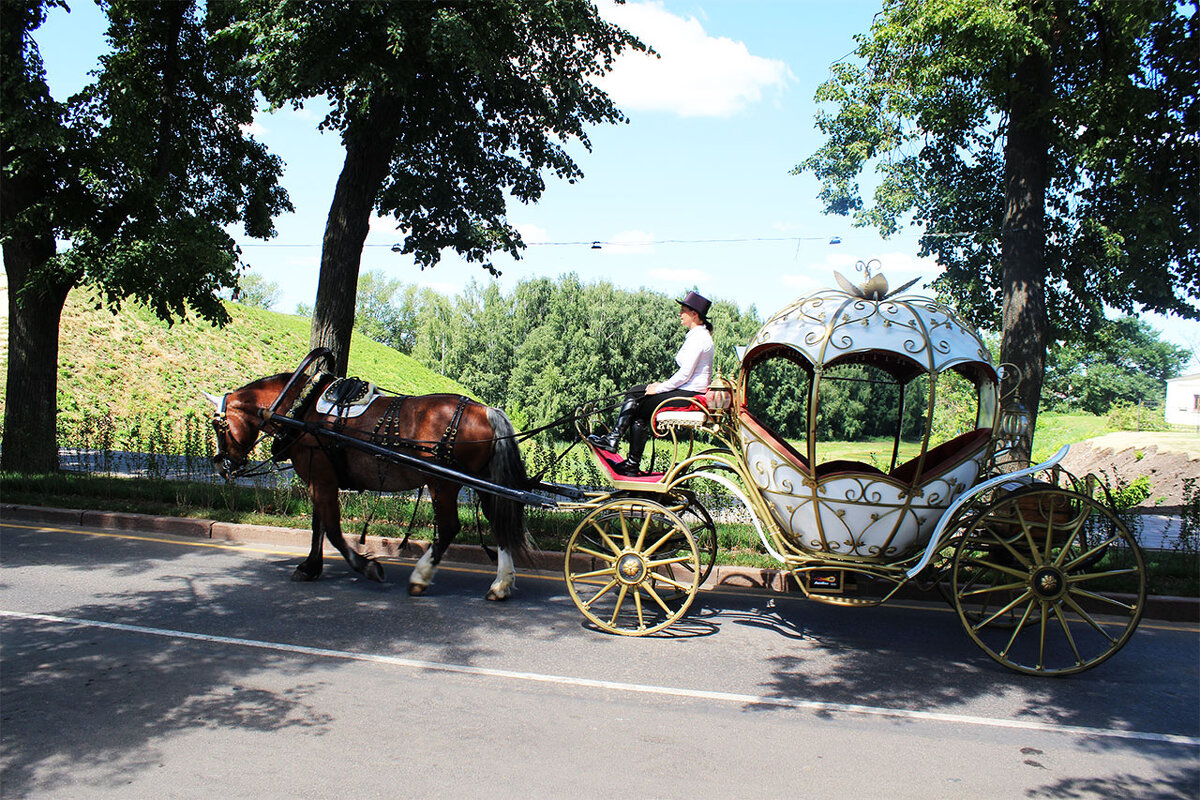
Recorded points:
(631, 242)
(696, 75)
(532, 234)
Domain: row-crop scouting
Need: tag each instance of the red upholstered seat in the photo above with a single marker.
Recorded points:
(944, 457)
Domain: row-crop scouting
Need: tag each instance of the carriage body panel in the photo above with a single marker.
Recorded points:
(854, 509)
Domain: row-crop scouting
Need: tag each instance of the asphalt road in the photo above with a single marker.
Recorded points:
(142, 665)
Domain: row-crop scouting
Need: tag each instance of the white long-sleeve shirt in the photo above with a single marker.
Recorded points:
(695, 360)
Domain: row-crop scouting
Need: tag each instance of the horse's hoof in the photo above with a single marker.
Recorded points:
(374, 571)
(494, 595)
(417, 589)
(302, 576)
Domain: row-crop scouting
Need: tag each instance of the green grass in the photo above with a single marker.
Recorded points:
(133, 366)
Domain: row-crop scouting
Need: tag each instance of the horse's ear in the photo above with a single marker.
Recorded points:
(212, 398)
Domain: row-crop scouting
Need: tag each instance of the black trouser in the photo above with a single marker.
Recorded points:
(648, 402)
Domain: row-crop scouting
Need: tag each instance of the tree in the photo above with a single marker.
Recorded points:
(138, 172)
(1047, 148)
(255, 290)
(444, 107)
(1124, 363)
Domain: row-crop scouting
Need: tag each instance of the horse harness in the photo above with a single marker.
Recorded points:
(343, 398)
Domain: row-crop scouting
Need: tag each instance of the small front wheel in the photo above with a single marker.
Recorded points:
(632, 567)
(1048, 581)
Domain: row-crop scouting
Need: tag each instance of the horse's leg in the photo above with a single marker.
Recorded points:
(311, 567)
(445, 514)
(506, 573)
(506, 576)
(327, 506)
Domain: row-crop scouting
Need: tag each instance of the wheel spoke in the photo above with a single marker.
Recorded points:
(654, 595)
(1007, 587)
(599, 573)
(683, 587)
(1041, 660)
(649, 551)
(605, 538)
(611, 559)
(1012, 604)
(1007, 545)
(1091, 576)
(1088, 618)
(1084, 593)
(1067, 633)
(666, 561)
(617, 606)
(607, 588)
(1017, 631)
(641, 539)
(1084, 556)
(1016, 573)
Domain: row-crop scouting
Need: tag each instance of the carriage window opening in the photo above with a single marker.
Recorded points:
(858, 403)
(777, 397)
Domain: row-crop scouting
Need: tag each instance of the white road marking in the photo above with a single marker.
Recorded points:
(563, 680)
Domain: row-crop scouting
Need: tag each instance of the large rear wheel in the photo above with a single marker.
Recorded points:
(1048, 581)
(632, 567)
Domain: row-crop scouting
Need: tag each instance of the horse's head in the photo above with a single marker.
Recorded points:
(238, 424)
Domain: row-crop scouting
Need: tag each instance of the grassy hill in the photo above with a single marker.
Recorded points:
(134, 365)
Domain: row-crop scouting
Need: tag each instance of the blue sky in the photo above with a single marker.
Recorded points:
(714, 127)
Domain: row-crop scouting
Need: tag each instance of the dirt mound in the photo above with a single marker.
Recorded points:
(1120, 458)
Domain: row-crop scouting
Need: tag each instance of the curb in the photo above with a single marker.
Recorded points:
(724, 577)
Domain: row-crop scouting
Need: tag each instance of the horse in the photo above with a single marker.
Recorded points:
(444, 429)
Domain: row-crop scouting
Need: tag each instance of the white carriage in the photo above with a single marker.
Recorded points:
(1043, 574)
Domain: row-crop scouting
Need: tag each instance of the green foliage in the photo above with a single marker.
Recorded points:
(1137, 418)
(464, 104)
(926, 102)
(255, 290)
(1124, 363)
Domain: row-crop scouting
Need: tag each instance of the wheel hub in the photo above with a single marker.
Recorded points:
(1048, 583)
(631, 568)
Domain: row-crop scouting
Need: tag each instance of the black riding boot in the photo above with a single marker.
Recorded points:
(612, 440)
(638, 435)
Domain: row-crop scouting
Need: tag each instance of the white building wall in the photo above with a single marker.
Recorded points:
(1183, 400)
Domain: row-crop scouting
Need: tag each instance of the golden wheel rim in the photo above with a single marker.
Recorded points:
(632, 567)
(1048, 581)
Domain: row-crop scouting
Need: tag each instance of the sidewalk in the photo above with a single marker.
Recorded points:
(1174, 609)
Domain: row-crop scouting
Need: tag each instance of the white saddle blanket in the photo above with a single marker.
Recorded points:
(355, 407)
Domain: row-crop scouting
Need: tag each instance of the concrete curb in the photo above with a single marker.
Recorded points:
(1172, 609)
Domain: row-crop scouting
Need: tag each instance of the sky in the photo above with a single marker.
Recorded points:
(693, 192)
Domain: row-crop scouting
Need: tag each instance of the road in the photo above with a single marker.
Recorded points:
(142, 665)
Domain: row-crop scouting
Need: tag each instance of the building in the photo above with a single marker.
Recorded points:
(1183, 400)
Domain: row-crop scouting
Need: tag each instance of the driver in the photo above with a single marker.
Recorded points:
(695, 361)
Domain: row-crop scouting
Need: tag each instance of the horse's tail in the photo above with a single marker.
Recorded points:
(506, 469)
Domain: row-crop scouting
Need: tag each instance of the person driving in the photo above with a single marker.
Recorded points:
(695, 362)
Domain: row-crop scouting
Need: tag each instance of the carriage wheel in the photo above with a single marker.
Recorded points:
(1028, 578)
(632, 567)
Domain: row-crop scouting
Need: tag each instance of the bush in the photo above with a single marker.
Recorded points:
(1137, 418)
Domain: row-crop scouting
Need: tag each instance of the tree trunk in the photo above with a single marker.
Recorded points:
(31, 395)
(370, 141)
(1022, 244)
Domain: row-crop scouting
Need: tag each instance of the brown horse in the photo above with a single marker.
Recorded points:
(444, 429)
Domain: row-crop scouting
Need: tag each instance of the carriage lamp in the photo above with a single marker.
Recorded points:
(1014, 422)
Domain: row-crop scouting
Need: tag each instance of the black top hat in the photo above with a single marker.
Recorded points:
(696, 303)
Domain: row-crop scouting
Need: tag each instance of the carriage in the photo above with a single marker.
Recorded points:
(1043, 574)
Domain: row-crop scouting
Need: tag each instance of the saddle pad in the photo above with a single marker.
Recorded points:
(347, 397)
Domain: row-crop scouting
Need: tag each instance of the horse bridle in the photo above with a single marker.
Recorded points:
(236, 468)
